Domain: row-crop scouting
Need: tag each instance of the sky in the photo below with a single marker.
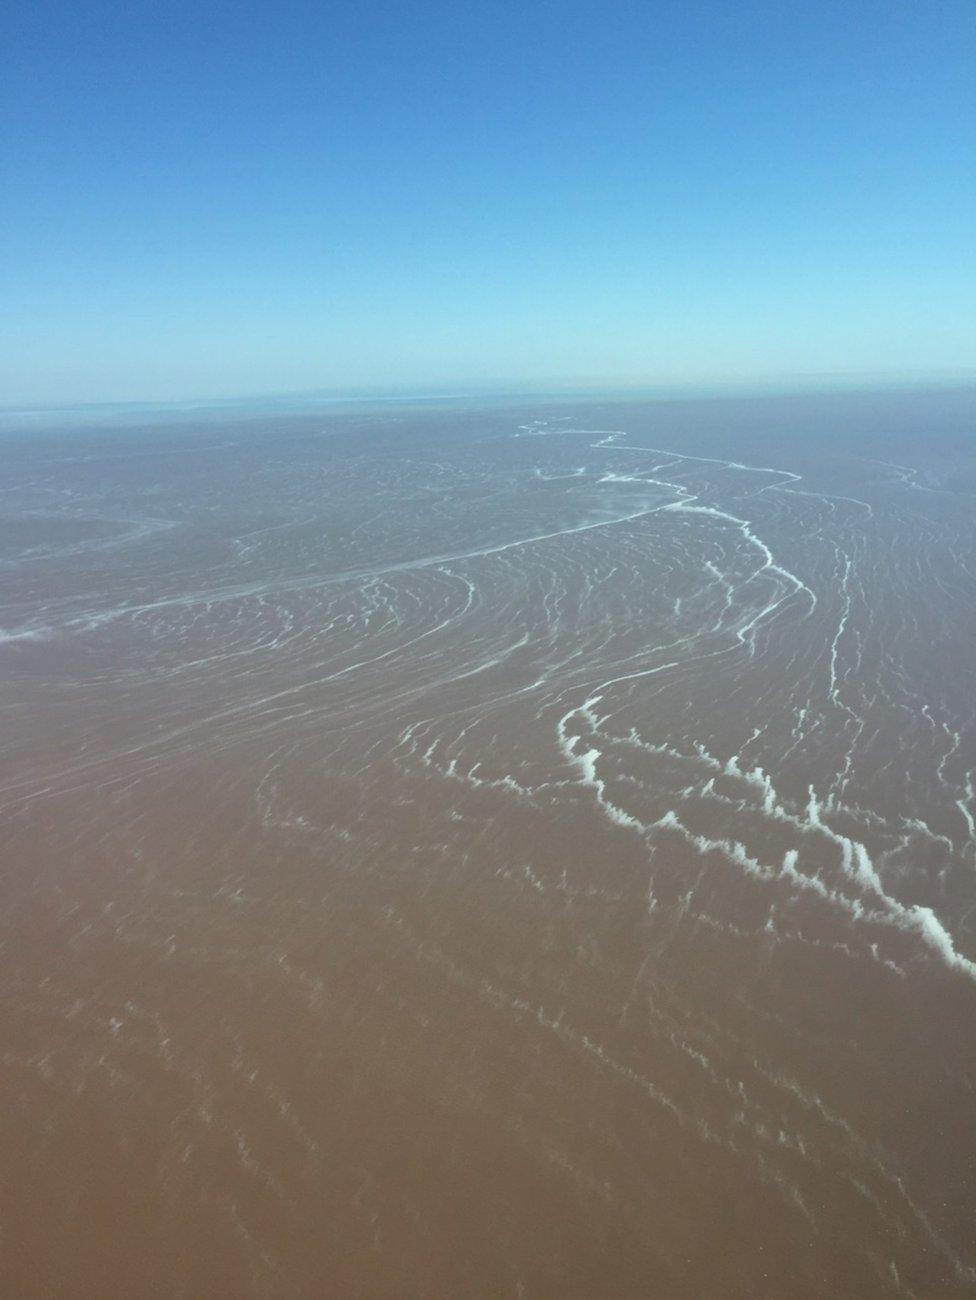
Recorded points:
(207, 199)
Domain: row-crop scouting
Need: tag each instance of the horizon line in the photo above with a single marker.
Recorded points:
(703, 385)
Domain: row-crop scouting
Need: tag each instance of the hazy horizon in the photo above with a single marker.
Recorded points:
(14, 415)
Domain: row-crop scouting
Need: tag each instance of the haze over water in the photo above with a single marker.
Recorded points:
(492, 853)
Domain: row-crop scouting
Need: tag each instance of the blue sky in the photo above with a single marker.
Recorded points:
(217, 199)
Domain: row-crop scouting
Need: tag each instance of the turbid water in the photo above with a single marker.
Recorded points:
(482, 853)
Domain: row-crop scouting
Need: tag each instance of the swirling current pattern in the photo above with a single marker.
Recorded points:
(492, 853)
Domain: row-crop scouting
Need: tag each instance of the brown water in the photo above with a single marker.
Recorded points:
(492, 853)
